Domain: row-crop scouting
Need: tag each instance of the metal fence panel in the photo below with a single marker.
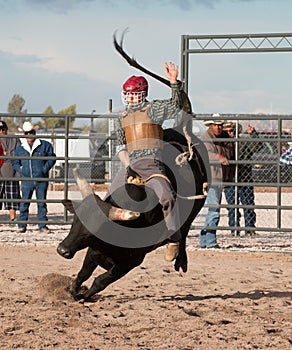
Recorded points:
(271, 182)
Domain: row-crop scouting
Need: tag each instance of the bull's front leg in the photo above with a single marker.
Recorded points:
(112, 275)
(92, 260)
(181, 262)
(89, 265)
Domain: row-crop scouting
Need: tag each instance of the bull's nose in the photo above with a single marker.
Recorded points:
(65, 253)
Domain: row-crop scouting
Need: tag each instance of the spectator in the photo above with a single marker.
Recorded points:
(284, 148)
(220, 153)
(140, 141)
(1, 154)
(9, 189)
(286, 157)
(33, 169)
(244, 194)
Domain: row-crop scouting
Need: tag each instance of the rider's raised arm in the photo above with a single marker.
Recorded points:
(171, 72)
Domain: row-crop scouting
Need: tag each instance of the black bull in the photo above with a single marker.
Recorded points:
(113, 245)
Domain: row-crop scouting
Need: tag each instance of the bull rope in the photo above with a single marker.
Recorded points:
(139, 181)
(182, 158)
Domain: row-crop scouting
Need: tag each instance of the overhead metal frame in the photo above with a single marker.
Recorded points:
(238, 43)
(230, 43)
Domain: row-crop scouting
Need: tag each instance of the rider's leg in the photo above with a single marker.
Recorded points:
(167, 199)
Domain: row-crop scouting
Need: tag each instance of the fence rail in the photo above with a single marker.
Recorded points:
(93, 152)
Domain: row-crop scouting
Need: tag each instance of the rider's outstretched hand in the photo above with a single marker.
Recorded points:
(171, 72)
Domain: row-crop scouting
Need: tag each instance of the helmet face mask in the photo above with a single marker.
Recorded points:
(135, 90)
(133, 98)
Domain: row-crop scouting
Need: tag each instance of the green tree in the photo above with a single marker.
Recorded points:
(15, 106)
(58, 122)
(49, 122)
(67, 111)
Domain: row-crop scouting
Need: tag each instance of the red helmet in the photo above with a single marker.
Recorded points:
(136, 84)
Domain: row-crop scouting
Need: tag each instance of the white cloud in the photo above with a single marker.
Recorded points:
(66, 6)
(57, 6)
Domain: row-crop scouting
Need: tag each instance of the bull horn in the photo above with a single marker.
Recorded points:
(122, 214)
(84, 187)
(114, 213)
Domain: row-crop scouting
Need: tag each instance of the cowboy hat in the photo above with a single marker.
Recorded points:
(232, 124)
(229, 124)
(27, 126)
(216, 120)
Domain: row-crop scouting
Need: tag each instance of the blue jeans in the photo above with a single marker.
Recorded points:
(208, 236)
(230, 199)
(246, 197)
(41, 193)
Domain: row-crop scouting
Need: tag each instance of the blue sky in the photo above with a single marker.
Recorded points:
(59, 52)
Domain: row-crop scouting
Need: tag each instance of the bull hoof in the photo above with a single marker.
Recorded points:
(79, 297)
(181, 264)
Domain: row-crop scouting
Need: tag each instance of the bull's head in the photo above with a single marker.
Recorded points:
(89, 216)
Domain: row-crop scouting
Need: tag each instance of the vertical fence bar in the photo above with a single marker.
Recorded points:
(279, 186)
(184, 62)
(110, 131)
(66, 167)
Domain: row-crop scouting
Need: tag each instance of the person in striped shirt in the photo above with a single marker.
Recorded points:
(140, 143)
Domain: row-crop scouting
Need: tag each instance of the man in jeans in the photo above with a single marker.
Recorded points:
(9, 189)
(33, 169)
(219, 153)
(245, 193)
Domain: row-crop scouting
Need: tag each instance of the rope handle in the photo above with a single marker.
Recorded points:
(139, 181)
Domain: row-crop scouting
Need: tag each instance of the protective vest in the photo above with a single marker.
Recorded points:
(140, 131)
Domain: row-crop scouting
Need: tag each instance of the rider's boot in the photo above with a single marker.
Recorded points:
(172, 250)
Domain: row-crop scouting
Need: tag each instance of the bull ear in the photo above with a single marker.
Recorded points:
(68, 205)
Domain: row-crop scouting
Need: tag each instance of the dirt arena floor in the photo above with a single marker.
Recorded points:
(226, 300)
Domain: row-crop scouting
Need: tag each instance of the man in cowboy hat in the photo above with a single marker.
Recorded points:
(9, 189)
(33, 169)
(220, 153)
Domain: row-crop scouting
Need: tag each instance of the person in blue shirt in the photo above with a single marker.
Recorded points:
(33, 169)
